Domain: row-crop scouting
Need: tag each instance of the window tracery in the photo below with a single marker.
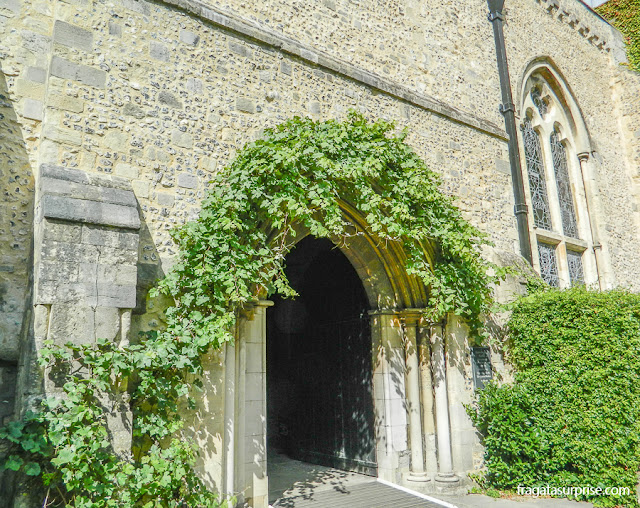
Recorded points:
(537, 180)
(576, 272)
(555, 192)
(538, 101)
(548, 264)
(565, 197)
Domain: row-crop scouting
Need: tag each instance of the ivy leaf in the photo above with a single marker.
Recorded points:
(32, 469)
(13, 463)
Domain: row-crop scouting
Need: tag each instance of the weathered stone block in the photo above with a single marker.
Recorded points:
(314, 108)
(113, 295)
(120, 255)
(189, 37)
(165, 199)
(130, 109)
(58, 270)
(49, 292)
(72, 323)
(87, 191)
(91, 76)
(11, 5)
(35, 42)
(285, 68)
(240, 49)
(169, 99)
(126, 170)
(140, 188)
(36, 74)
(33, 109)
(245, 105)
(182, 139)
(62, 68)
(61, 135)
(65, 102)
(228, 135)
(126, 275)
(115, 140)
(194, 85)
(69, 252)
(188, 181)
(159, 51)
(29, 89)
(109, 237)
(72, 36)
(87, 272)
(62, 231)
(115, 29)
(65, 69)
(503, 167)
(107, 321)
(93, 212)
(139, 6)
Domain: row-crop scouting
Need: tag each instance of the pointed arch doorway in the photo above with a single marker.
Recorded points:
(266, 401)
(319, 363)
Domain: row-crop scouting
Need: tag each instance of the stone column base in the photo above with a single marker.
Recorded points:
(448, 483)
(420, 482)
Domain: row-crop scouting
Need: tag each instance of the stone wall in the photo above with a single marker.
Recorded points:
(16, 231)
(136, 104)
(563, 33)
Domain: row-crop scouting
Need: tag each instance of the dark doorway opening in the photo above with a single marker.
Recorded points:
(319, 374)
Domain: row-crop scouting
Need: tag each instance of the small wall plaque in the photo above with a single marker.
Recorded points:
(481, 364)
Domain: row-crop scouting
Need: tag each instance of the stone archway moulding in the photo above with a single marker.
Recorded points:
(404, 406)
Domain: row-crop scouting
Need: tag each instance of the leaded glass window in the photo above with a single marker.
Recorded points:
(537, 182)
(576, 274)
(548, 264)
(539, 102)
(565, 197)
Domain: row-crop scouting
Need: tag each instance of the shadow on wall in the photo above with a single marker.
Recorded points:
(16, 234)
(204, 425)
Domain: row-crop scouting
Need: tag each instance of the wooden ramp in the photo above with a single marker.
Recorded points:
(370, 494)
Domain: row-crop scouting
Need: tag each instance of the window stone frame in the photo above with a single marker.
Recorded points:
(553, 117)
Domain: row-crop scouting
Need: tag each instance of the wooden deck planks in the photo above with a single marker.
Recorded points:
(366, 495)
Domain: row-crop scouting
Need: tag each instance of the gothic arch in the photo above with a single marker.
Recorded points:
(381, 267)
(543, 69)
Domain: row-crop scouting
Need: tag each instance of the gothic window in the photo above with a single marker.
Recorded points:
(548, 264)
(557, 207)
(537, 181)
(576, 274)
(538, 101)
(565, 197)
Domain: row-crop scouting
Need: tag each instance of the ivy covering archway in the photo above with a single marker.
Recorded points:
(299, 175)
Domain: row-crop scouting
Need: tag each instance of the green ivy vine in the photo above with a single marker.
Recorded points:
(625, 16)
(296, 176)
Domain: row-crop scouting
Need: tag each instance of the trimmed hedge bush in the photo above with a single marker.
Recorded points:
(572, 416)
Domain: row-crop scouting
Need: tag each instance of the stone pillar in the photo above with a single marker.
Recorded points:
(445, 476)
(229, 488)
(85, 274)
(594, 210)
(389, 394)
(248, 435)
(410, 319)
(426, 390)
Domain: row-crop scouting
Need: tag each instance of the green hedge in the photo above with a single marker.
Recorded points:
(572, 416)
(625, 16)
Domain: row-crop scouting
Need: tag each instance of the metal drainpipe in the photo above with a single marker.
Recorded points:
(508, 110)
